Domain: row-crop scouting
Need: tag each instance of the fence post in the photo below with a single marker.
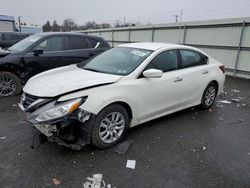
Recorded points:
(112, 42)
(239, 48)
(153, 34)
(184, 34)
(129, 33)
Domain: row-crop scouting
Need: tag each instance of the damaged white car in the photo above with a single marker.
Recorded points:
(97, 101)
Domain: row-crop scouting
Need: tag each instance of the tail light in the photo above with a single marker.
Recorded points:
(222, 68)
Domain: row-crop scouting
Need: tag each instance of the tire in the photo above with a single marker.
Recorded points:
(103, 126)
(10, 84)
(209, 96)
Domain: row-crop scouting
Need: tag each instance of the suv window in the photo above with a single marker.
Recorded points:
(165, 61)
(191, 58)
(92, 42)
(51, 44)
(76, 43)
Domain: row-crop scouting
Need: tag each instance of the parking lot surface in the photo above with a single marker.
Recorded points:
(191, 148)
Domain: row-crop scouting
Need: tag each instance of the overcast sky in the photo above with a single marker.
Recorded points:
(151, 11)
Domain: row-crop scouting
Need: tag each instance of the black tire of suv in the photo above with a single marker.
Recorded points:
(16, 80)
(96, 140)
(203, 104)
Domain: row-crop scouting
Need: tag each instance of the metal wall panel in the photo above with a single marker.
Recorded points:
(95, 34)
(168, 35)
(107, 35)
(244, 61)
(246, 37)
(227, 57)
(137, 35)
(220, 36)
(121, 35)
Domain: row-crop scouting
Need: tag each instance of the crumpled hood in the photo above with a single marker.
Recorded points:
(3, 52)
(66, 79)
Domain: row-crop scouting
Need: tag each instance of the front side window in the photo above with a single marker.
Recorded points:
(51, 44)
(24, 44)
(191, 58)
(77, 43)
(119, 61)
(165, 61)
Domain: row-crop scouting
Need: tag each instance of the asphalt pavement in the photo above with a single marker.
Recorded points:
(187, 149)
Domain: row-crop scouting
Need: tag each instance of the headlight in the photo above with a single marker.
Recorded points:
(59, 110)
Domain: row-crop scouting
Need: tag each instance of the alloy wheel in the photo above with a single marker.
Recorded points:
(111, 127)
(7, 86)
(210, 95)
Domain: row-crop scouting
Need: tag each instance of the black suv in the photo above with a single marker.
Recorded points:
(41, 52)
(8, 39)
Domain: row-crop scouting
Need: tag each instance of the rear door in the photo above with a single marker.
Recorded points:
(194, 75)
(159, 95)
(78, 49)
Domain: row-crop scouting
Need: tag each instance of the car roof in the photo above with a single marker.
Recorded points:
(152, 45)
(60, 33)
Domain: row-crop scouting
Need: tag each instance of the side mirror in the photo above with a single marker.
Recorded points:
(152, 73)
(37, 52)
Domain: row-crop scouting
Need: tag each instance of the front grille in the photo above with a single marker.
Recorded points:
(27, 99)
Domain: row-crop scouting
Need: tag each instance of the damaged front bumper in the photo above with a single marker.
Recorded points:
(72, 130)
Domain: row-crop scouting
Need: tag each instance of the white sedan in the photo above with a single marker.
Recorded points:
(97, 101)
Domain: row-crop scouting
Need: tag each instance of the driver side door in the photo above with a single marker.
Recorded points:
(51, 56)
(157, 96)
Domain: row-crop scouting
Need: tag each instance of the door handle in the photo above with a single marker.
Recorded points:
(205, 72)
(178, 79)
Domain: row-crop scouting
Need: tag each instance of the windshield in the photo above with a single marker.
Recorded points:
(119, 61)
(24, 44)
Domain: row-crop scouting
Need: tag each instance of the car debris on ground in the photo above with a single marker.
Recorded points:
(131, 164)
(55, 181)
(224, 102)
(2, 137)
(235, 91)
(96, 182)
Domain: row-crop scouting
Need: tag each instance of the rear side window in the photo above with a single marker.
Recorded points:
(165, 61)
(191, 58)
(76, 43)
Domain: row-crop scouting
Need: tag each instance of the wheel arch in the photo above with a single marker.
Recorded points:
(8, 67)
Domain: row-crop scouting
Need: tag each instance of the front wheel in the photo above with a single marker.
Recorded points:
(209, 96)
(110, 126)
(10, 84)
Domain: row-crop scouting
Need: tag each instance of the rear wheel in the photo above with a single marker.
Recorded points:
(110, 126)
(209, 96)
(10, 84)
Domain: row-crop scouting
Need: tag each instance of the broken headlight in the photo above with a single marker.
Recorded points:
(60, 110)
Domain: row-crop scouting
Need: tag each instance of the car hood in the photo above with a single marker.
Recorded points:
(3, 52)
(66, 79)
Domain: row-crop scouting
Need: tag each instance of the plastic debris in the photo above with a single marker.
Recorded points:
(235, 100)
(210, 110)
(19, 154)
(204, 148)
(131, 164)
(14, 105)
(96, 182)
(123, 147)
(221, 119)
(244, 105)
(56, 181)
(235, 91)
(2, 137)
(224, 102)
(248, 153)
